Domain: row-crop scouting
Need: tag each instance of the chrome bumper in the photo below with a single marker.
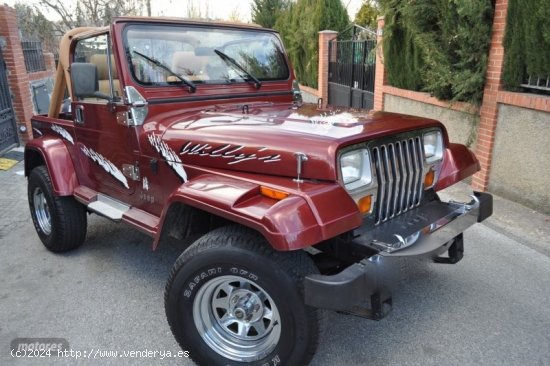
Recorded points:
(425, 229)
(428, 230)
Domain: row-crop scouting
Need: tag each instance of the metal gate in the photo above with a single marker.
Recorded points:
(352, 69)
(8, 131)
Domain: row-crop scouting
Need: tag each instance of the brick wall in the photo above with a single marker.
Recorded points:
(18, 78)
(49, 60)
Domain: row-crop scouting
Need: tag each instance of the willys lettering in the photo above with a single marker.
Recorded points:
(232, 152)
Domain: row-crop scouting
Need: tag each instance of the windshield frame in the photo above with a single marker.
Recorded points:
(217, 26)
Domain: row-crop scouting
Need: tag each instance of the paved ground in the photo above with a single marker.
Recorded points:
(490, 309)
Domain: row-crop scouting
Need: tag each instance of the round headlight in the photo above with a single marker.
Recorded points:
(356, 169)
(433, 146)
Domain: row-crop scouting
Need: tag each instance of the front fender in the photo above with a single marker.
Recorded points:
(458, 163)
(306, 217)
(55, 155)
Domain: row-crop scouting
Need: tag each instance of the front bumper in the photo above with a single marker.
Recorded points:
(426, 231)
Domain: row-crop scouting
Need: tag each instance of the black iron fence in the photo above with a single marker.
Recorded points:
(538, 84)
(351, 72)
(34, 57)
(8, 130)
(351, 63)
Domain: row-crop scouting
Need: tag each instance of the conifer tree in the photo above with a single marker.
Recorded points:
(526, 42)
(438, 46)
(367, 14)
(266, 12)
(299, 26)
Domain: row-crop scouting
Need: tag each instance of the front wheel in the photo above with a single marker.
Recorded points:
(60, 222)
(231, 299)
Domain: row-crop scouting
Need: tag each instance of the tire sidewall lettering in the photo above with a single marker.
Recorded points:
(243, 273)
(200, 277)
(275, 360)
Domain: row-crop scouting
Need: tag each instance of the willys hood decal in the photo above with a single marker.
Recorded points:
(268, 139)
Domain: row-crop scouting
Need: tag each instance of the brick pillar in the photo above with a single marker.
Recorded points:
(380, 75)
(17, 74)
(489, 107)
(322, 83)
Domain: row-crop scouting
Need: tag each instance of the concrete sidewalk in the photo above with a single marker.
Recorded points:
(11, 196)
(512, 219)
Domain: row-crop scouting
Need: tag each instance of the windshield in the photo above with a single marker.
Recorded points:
(194, 53)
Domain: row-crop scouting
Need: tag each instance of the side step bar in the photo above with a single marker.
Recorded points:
(117, 211)
(108, 207)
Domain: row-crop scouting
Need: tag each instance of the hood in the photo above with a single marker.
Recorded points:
(267, 138)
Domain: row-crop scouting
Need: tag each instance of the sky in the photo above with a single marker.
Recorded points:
(219, 9)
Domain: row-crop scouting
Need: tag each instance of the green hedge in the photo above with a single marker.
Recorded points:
(299, 26)
(438, 46)
(527, 41)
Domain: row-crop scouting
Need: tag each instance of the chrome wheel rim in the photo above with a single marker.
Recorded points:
(42, 211)
(237, 318)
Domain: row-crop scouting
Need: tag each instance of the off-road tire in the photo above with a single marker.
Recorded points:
(67, 217)
(232, 251)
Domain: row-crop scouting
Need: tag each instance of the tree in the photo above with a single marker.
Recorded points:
(148, 7)
(368, 13)
(34, 25)
(299, 26)
(526, 42)
(96, 13)
(198, 11)
(438, 46)
(266, 12)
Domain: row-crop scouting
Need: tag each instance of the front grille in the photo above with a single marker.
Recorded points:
(399, 173)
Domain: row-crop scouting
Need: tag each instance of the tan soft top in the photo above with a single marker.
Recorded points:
(196, 21)
(62, 76)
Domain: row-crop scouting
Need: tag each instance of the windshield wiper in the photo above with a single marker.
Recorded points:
(157, 63)
(235, 64)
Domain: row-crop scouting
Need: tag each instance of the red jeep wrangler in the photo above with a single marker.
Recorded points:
(181, 128)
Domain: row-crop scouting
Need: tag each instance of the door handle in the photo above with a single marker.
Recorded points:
(79, 114)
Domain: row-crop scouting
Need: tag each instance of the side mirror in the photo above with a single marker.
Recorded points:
(85, 81)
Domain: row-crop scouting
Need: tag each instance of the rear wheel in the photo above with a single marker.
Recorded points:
(60, 222)
(231, 299)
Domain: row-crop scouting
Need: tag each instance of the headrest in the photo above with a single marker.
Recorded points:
(100, 60)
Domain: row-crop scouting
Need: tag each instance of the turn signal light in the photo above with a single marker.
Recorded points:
(273, 193)
(364, 204)
(429, 178)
